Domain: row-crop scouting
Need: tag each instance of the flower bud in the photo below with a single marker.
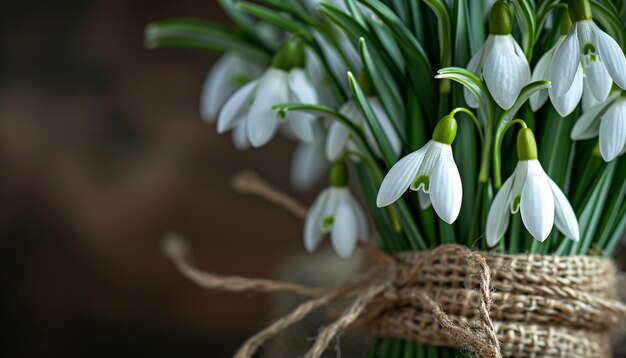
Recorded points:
(290, 55)
(580, 10)
(339, 174)
(526, 145)
(445, 131)
(501, 19)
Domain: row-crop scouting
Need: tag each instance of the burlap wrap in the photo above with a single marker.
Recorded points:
(542, 306)
(492, 304)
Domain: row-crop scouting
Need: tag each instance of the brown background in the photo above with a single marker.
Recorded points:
(102, 150)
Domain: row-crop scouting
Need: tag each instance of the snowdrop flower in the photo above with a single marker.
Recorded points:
(285, 81)
(339, 134)
(601, 57)
(309, 163)
(336, 212)
(228, 74)
(608, 121)
(431, 170)
(566, 103)
(529, 190)
(500, 61)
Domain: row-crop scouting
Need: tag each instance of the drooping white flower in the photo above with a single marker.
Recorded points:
(430, 170)
(607, 120)
(339, 134)
(309, 163)
(566, 103)
(227, 75)
(335, 211)
(284, 82)
(602, 59)
(500, 62)
(530, 191)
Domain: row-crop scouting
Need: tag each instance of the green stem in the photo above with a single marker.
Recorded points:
(474, 119)
(502, 129)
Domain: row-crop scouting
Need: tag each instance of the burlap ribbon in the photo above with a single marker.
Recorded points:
(493, 304)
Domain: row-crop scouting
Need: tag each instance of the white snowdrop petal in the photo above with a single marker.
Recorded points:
(446, 190)
(301, 125)
(598, 80)
(240, 137)
(565, 63)
(613, 131)
(399, 178)
(345, 230)
(564, 217)
(566, 104)
(588, 125)
(612, 56)
(505, 72)
(475, 66)
(541, 72)
(262, 121)
(312, 232)
(424, 199)
(218, 86)
(235, 107)
(301, 87)
(338, 134)
(308, 165)
(589, 100)
(537, 205)
(499, 214)
(361, 218)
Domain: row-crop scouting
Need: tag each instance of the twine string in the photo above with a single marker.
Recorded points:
(364, 290)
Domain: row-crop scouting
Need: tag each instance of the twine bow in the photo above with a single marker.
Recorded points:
(379, 281)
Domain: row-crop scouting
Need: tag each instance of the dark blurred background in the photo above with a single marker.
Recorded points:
(102, 150)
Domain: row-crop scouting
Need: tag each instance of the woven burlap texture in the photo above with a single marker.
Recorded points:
(492, 304)
(542, 306)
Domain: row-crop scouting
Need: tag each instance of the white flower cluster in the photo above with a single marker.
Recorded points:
(585, 63)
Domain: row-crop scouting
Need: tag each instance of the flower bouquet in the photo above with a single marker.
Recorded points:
(484, 110)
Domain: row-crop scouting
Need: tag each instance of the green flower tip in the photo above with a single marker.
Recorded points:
(566, 24)
(290, 55)
(445, 131)
(501, 18)
(579, 10)
(339, 174)
(526, 145)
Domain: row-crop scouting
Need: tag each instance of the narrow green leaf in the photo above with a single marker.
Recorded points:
(202, 35)
(272, 17)
(374, 125)
(386, 89)
(527, 20)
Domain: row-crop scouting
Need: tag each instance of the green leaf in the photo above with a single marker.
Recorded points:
(374, 125)
(590, 215)
(202, 35)
(420, 70)
(386, 89)
(611, 20)
(527, 20)
(272, 17)
(444, 23)
(382, 220)
(473, 84)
